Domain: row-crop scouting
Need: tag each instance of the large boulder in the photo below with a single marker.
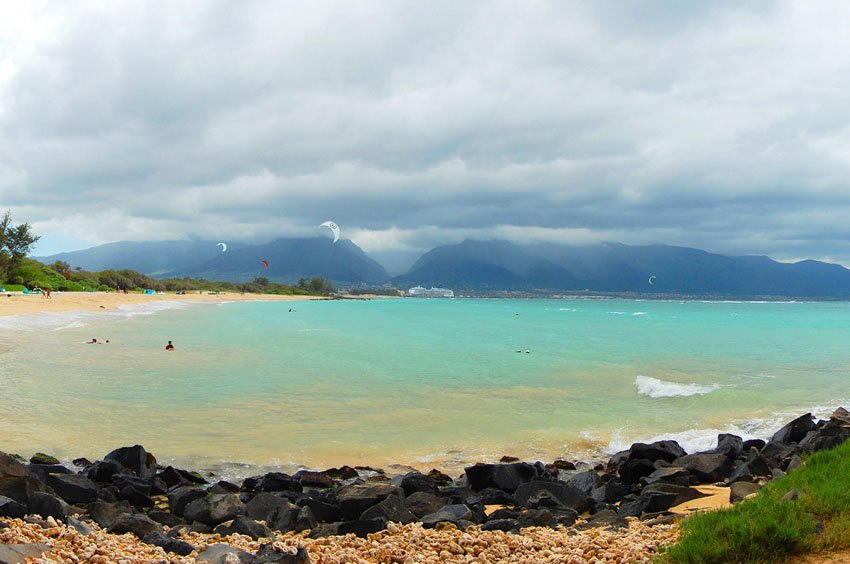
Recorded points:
(11, 508)
(707, 468)
(362, 528)
(135, 497)
(244, 526)
(567, 495)
(285, 518)
(422, 503)
(41, 458)
(612, 491)
(669, 475)
(647, 502)
(15, 482)
(730, 445)
(794, 431)
(632, 470)
(306, 520)
(490, 496)
(175, 476)
(21, 552)
(507, 477)
(41, 471)
(168, 544)
(73, 488)
(136, 459)
(753, 467)
(107, 514)
(392, 508)
(667, 451)
(104, 470)
(449, 514)
(309, 479)
(323, 511)
(46, 505)
(139, 525)
(215, 509)
(829, 436)
(740, 490)
(277, 482)
(357, 498)
(417, 482)
(263, 506)
(585, 481)
(181, 497)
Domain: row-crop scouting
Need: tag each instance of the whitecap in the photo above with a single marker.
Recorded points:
(655, 388)
(698, 440)
(639, 313)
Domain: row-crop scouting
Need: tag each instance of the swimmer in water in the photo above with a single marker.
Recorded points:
(169, 346)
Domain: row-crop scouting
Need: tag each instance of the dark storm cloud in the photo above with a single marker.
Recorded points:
(714, 125)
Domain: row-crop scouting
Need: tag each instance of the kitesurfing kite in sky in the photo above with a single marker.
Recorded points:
(333, 227)
(265, 264)
(223, 247)
(652, 280)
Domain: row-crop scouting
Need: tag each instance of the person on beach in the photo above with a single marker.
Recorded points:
(92, 342)
(169, 346)
(47, 290)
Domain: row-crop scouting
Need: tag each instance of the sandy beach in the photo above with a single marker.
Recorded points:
(18, 303)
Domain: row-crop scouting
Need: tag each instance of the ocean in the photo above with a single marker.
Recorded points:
(422, 382)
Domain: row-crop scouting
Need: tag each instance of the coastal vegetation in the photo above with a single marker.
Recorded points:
(29, 273)
(18, 272)
(806, 511)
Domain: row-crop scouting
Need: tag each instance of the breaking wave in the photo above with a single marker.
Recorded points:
(655, 388)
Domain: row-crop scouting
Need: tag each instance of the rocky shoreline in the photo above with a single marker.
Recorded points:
(128, 508)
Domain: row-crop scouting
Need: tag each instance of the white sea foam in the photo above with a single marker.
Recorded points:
(72, 325)
(639, 313)
(58, 321)
(617, 312)
(655, 388)
(696, 440)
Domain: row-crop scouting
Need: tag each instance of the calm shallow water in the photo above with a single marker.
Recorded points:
(421, 382)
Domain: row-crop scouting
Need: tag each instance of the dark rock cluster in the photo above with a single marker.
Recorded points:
(128, 491)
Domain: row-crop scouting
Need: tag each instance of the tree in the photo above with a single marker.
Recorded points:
(61, 267)
(261, 281)
(316, 285)
(16, 241)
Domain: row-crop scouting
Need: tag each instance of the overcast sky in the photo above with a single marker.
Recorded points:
(719, 125)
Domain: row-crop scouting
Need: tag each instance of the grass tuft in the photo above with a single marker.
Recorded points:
(769, 529)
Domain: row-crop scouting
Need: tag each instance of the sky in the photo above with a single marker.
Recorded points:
(721, 125)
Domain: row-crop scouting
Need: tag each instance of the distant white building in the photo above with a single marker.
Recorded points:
(420, 292)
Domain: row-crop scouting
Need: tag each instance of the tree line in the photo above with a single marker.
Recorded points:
(16, 269)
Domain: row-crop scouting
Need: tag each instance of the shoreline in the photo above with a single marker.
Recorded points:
(621, 510)
(62, 302)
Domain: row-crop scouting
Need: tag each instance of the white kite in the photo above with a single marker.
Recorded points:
(223, 247)
(333, 227)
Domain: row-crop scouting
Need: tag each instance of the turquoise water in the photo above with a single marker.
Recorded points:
(421, 382)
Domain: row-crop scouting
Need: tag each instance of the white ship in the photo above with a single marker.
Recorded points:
(420, 292)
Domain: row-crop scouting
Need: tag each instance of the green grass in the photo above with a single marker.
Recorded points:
(766, 528)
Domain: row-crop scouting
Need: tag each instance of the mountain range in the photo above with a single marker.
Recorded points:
(482, 267)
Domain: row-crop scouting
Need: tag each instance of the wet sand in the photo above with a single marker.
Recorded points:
(19, 304)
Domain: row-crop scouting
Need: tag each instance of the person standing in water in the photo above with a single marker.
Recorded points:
(169, 346)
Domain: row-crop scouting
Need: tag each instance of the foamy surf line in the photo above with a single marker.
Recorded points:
(698, 440)
(58, 321)
(655, 388)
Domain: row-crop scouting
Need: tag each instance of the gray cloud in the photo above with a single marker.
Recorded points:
(713, 125)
